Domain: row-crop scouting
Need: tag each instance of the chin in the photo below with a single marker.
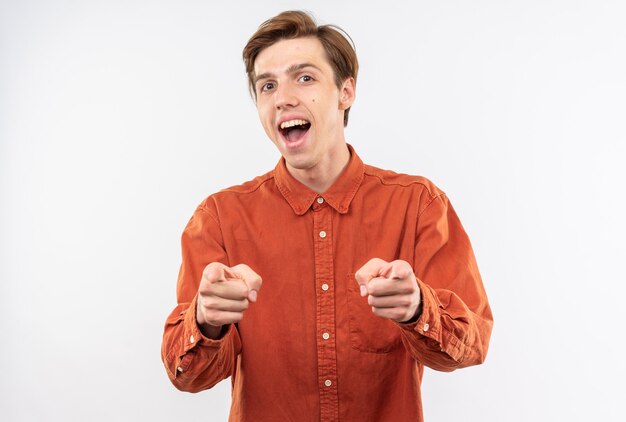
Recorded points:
(299, 163)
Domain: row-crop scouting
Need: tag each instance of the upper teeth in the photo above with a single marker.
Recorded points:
(290, 123)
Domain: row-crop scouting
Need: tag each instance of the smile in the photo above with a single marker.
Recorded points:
(294, 130)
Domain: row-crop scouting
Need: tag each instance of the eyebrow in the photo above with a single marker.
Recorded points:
(290, 70)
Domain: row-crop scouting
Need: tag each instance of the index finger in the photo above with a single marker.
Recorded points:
(217, 272)
(375, 267)
(399, 269)
(251, 278)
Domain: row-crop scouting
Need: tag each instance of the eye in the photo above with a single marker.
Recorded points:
(305, 78)
(267, 86)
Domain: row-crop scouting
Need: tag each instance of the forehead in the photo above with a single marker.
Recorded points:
(278, 57)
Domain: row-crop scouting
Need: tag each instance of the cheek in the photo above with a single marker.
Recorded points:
(264, 117)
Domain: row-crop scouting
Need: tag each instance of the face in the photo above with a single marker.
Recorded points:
(300, 106)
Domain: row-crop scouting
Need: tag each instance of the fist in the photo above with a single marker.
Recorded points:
(391, 289)
(223, 296)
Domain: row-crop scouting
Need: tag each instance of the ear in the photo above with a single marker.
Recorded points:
(347, 94)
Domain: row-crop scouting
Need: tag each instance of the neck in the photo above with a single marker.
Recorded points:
(321, 176)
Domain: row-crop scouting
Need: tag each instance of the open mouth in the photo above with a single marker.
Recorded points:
(294, 130)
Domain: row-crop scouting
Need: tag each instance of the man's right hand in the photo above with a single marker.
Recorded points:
(223, 296)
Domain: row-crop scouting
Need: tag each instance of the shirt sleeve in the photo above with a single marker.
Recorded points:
(194, 362)
(454, 328)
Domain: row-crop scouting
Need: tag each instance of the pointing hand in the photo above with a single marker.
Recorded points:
(391, 289)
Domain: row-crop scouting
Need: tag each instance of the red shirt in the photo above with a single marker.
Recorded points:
(310, 348)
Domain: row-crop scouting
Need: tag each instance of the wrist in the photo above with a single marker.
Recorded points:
(415, 317)
(213, 332)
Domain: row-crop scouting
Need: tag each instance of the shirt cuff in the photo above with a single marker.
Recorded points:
(428, 323)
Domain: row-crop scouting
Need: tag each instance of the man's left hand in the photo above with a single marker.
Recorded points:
(391, 289)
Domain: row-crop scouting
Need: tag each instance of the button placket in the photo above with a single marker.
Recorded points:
(324, 276)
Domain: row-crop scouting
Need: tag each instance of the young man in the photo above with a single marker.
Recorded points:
(324, 286)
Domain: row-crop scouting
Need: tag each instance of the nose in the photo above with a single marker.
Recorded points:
(284, 96)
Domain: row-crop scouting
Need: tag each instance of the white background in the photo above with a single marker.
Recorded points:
(118, 117)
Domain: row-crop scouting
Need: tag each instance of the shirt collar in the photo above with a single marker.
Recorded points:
(338, 196)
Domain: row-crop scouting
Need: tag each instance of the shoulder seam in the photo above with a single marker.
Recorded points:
(438, 196)
(203, 208)
(206, 210)
(412, 182)
(268, 177)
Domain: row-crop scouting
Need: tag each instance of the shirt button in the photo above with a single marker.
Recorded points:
(325, 336)
(328, 383)
(322, 234)
(191, 339)
(324, 286)
(426, 327)
(179, 369)
(320, 200)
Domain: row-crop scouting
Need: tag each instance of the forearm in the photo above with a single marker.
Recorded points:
(193, 361)
(447, 335)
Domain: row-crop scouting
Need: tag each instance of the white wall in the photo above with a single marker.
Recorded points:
(117, 118)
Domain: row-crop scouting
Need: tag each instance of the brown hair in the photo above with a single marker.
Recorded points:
(295, 24)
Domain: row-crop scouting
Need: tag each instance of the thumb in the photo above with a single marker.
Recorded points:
(253, 280)
(252, 295)
(362, 279)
